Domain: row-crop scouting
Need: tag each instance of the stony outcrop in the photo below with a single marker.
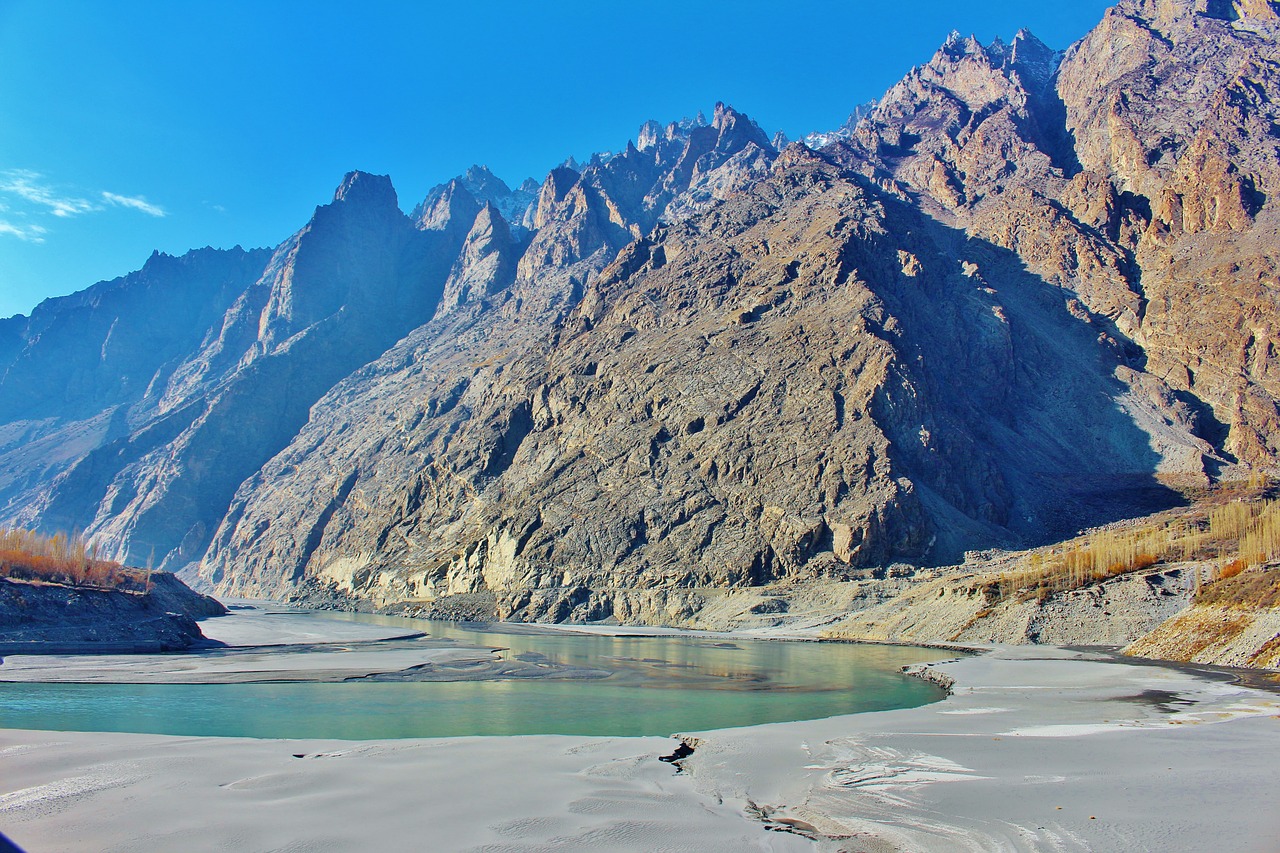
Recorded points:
(950, 608)
(1224, 636)
(1232, 622)
(51, 618)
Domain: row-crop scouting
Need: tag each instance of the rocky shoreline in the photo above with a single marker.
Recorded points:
(47, 618)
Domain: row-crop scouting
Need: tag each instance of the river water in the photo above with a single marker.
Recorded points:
(621, 686)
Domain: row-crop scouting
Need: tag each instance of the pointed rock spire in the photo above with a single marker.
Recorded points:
(1029, 54)
(447, 206)
(736, 130)
(648, 136)
(486, 264)
(554, 189)
(484, 184)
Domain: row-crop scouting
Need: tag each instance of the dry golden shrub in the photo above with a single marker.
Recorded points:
(1243, 531)
(62, 559)
(1232, 569)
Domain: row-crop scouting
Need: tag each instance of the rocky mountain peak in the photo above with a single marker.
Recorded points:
(650, 133)
(957, 46)
(457, 201)
(736, 130)
(364, 189)
(115, 343)
(557, 185)
(488, 188)
(484, 184)
(584, 216)
(979, 76)
(447, 205)
(1025, 54)
(821, 139)
(363, 198)
(1031, 56)
(675, 130)
(309, 279)
(970, 111)
(486, 263)
(1025, 36)
(796, 154)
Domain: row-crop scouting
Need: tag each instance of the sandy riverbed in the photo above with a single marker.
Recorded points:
(1038, 749)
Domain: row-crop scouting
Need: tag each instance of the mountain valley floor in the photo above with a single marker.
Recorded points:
(1036, 749)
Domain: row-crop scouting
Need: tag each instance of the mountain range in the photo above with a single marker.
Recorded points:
(1024, 293)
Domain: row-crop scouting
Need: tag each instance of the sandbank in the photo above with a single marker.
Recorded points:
(269, 644)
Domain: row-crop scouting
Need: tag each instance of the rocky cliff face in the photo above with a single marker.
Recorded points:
(1134, 172)
(621, 452)
(1020, 294)
(1189, 133)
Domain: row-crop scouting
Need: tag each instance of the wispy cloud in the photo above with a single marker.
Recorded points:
(134, 202)
(28, 185)
(27, 233)
(27, 195)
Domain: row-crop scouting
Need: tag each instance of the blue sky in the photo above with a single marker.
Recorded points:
(133, 126)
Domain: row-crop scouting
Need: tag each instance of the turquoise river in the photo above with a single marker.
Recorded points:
(644, 686)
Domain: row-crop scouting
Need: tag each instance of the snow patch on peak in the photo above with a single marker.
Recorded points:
(821, 139)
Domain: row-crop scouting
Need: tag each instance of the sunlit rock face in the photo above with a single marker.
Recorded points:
(804, 380)
(1136, 171)
(1008, 300)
